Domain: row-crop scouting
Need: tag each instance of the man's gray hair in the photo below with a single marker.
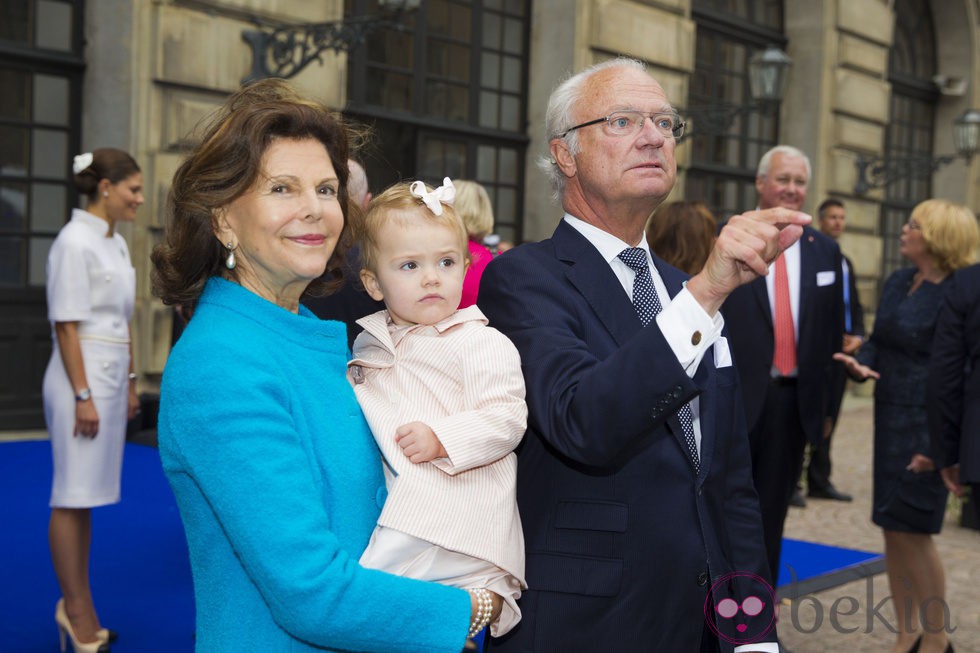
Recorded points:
(558, 118)
(785, 150)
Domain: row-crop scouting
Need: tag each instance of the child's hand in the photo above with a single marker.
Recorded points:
(419, 442)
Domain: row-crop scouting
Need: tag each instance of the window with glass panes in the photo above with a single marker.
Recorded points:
(40, 90)
(722, 169)
(911, 121)
(40, 73)
(445, 96)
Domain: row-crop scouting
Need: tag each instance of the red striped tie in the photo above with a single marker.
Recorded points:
(784, 355)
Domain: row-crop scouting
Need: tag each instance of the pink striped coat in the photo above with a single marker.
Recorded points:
(463, 379)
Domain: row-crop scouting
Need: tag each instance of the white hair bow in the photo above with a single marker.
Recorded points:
(445, 194)
(81, 162)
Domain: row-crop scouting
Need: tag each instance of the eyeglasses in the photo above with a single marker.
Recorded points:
(912, 224)
(627, 123)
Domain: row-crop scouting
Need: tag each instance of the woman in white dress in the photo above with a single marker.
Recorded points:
(89, 385)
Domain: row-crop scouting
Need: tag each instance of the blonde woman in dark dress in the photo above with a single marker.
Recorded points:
(909, 496)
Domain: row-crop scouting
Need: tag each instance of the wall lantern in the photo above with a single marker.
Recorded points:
(768, 78)
(877, 172)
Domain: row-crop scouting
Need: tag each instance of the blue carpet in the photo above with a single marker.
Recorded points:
(140, 573)
(807, 567)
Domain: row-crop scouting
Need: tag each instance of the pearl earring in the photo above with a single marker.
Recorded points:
(105, 193)
(230, 261)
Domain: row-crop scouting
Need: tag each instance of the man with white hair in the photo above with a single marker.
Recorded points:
(785, 327)
(634, 484)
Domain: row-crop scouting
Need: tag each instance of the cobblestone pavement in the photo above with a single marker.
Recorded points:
(808, 626)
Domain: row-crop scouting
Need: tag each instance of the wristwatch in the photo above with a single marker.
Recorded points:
(83, 395)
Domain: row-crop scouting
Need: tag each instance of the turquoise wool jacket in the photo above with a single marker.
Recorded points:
(279, 485)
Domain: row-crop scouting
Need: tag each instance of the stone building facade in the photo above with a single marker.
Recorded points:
(461, 90)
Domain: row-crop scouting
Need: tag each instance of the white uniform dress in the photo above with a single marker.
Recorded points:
(90, 280)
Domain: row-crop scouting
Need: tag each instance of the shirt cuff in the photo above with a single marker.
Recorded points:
(689, 330)
(761, 647)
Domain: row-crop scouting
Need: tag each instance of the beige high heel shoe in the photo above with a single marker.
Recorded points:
(64, 628)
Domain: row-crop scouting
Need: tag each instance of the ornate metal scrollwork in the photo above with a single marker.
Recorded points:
(286, 50)
(876, 172)
(715, 120)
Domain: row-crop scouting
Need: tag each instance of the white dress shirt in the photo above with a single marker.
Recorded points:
(680, 317)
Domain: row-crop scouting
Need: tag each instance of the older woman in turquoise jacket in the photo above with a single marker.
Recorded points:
(275, 472)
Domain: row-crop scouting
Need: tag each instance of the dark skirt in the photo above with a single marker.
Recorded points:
(903, 501)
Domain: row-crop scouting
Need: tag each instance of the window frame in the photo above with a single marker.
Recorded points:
(71, 66)
(911, 64)
(422, 125)
(708, 178)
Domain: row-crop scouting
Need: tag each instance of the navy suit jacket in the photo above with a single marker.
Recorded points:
(623, 540)
(953, 393)
(820, 326)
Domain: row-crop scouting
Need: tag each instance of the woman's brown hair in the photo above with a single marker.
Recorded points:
(682, 233)
(222, 167)
(107, 163)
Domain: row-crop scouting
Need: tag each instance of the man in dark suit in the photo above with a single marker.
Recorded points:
(785, 327)
(953, 393)
(641, 523)
(831, 219)
(350, 302)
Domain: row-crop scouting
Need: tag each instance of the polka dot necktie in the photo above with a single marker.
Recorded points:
(647, 305)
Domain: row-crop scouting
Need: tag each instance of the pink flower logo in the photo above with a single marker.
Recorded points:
(740, 608)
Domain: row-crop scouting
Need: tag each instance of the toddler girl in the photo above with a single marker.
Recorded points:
(444, 396)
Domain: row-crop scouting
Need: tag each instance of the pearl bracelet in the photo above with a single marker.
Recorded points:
(484, 611)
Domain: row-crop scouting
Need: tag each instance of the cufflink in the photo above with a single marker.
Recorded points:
(696, 338)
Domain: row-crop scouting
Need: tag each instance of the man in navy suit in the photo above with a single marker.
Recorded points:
(643, 533)
(953, 393)
(832, 218)
(786, 401)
